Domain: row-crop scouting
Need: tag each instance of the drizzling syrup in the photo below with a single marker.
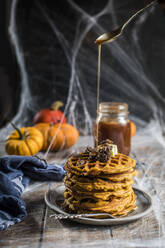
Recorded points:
(108, 38)
(98, 87)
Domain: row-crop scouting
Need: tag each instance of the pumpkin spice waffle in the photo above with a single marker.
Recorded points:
(97, 184)
(121, 177)
(116, 213)
(101, 183)
(116, 205)
(100, 180)
(83, 166)
(105, 196)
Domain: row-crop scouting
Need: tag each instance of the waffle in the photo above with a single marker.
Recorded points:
(120, 213)
(83, 166)
(97, 184)
(121, 177)
(115, 206)
(99, 181)
(105, 196)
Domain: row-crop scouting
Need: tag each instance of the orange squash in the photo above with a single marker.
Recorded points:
(71, 134)
(133, 128)
(25, 141)
(61, 136)
(52, 115)
(50, 132)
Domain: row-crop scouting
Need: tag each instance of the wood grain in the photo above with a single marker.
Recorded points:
(38, 230)
(28, 231)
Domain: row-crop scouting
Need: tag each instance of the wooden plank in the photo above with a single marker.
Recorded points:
(144, 229)
(66, 233)
(70, 234)
(148, 228)
(28, 232)
(39, 230)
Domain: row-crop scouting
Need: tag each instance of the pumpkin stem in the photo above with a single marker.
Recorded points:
(56, 105)
(18, 130)
(51, 124)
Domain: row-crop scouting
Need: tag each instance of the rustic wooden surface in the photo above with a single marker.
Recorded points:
(40, 231)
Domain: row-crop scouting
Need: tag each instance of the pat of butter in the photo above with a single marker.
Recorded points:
(114, 150)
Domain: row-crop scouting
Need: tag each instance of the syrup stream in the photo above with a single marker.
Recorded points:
(108, 38)
(98, 90)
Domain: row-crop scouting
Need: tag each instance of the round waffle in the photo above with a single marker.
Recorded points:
(122, 213)
(115, 205)
(81, 165)
(105, 196)
(95, 184)
(121, 177)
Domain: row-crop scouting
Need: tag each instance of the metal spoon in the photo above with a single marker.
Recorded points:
(76, 216)
(113, 35)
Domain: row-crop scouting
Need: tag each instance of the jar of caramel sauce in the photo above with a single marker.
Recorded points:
(112, 123)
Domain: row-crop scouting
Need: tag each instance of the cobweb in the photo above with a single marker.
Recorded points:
(136, 88)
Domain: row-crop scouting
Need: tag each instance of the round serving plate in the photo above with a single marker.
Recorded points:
(55, 198)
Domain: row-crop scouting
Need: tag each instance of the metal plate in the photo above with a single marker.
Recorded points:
(54, 199)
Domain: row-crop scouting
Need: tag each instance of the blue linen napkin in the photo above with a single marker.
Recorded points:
(15, 174)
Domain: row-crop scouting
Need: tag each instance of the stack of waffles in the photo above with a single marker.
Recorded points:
(100, 180)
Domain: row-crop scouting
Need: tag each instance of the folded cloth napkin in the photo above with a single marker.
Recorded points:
(15, 174)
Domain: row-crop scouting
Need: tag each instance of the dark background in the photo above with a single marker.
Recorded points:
(9, 71)
(49, 33)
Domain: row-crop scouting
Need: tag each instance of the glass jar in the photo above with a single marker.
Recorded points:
(112, 123)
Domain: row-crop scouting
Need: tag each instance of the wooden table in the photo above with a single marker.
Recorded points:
(39, 230)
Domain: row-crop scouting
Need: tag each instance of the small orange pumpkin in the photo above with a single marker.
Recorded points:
(63, 135)
(49, 132)
(133, 128)
(52, 115)
(71, 134)
(25, 141)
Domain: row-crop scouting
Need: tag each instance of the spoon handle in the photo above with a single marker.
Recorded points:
(76, 216)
